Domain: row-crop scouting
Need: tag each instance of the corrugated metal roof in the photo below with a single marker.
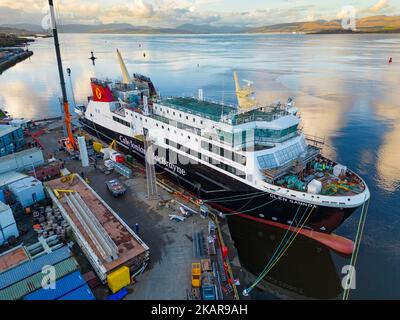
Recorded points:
(4, 207)
(82, 293)
(24, 183)
(28, 285)
(10, 177)
(19, 154)
(64, 286)
(27, 269)
(6, 129)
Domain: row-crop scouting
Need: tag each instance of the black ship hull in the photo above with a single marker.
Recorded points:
(228, 195)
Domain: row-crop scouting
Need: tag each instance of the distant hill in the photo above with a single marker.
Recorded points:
(369, 24)
(27, 27)
(13, 30)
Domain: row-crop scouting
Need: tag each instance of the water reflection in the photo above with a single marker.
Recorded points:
(342, 84)
(306, 271)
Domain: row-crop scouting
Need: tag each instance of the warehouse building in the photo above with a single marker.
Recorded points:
(24, 279)
(22, 160)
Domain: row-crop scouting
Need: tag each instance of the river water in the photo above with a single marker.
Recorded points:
(346, 92)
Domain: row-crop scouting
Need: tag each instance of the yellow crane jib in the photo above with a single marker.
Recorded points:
(58, 192)
(113, 145)
(244, 95)
(125, 74)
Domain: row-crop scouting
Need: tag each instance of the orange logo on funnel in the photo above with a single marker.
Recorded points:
(98, 93)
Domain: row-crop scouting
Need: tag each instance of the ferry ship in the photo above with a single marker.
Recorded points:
(250, 160)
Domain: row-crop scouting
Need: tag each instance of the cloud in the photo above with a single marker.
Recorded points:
(379, 6)
(172, 13)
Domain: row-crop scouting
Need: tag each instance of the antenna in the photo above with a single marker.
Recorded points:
(125, 75)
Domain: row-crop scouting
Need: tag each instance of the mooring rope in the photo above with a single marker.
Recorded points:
(239, 196)
(248, 210)
(357, 245)
(270, 265)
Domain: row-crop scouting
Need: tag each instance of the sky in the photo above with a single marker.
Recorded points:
(172, 13)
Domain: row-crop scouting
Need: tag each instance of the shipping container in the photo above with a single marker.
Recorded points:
(27, 191)
(8, 227)
(26, 270)
(28, 285)
(82, 293)
(11, 139)
(63, 286)
(46, 172)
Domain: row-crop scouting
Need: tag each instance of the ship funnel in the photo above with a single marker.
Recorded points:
(125, 75)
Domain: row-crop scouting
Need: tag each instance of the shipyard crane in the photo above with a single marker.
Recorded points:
(69, 144)
(126, 78)
(244, 95)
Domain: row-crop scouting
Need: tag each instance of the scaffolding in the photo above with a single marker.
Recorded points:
(151, 179)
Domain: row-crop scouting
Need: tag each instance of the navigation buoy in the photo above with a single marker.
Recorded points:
(144, 54)
(93, 58)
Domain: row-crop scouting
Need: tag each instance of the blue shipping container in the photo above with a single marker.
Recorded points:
(64, 286)
(32, 267)
(82, 293)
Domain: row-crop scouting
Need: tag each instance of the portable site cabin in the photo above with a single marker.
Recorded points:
(27, 191)
(8, 226)
(11, 139)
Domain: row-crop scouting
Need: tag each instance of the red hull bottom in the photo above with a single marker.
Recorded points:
(332, 241)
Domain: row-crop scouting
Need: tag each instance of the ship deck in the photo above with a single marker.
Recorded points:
(348, 184)
(220, 112)
(204, 109)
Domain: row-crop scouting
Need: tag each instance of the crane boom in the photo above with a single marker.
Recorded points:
(61, 74)
(125, 74)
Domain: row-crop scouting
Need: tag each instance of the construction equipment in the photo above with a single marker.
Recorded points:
(196, 275)
(113, 145)
(151, 178)
(244, 95)
(69, 178)
(66, 145)
(125, 74)
(59, 192)
(71, 142)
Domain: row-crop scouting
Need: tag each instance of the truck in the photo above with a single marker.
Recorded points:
(116, 187)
